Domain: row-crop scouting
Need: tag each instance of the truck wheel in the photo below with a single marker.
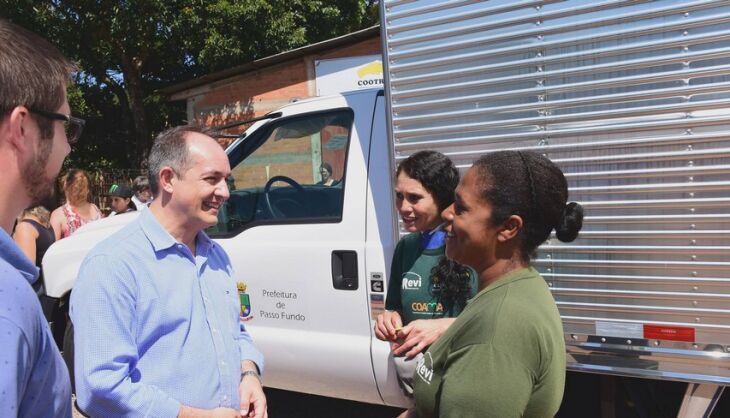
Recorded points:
(68, 352)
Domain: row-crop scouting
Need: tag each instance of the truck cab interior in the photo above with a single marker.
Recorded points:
(278, 173)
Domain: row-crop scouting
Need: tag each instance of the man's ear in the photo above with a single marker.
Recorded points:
(17, 126)
(510, 228)
(167, 175)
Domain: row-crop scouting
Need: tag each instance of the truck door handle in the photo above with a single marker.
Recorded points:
(344, 270)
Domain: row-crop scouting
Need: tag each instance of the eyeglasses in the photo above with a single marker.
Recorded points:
(73, 126)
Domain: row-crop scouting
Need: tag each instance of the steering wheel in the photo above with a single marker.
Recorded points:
(267, 195)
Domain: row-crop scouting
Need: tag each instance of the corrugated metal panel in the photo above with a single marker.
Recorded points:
(632, 100)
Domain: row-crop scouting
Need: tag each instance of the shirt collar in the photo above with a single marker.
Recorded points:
(13, 255)
(162, 240)
(203, 243)
(433, 239)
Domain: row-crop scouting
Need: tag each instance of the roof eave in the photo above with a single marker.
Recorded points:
(271, 60)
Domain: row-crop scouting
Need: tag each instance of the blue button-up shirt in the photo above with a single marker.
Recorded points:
(156, 326)
(33, 377)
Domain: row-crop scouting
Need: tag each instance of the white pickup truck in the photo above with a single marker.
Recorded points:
(629, 98)
(313, 256)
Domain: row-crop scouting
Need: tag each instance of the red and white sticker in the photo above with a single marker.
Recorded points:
(662, 332)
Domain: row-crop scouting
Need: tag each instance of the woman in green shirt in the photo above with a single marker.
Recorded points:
(425, 289)
(504, 356)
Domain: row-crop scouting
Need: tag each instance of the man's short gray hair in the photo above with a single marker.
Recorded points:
(170, 150)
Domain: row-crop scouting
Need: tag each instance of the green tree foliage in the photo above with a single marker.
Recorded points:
(128, 49)
(241, 31)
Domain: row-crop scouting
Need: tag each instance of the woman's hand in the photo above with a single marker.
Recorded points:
(419, 334)
(387, 325)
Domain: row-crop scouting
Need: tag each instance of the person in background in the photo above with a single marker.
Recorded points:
(504, 356)
(35, 132)
(121, 196)
(325, 171)
(142, 194)
(34, 235)
(161, 296)
(78, 209)
(420, 274)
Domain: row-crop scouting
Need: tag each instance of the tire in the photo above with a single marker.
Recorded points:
(68, 352)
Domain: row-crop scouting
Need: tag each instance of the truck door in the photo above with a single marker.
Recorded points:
(294, 228)
(382, 234)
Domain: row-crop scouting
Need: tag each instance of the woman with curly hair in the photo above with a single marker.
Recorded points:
(426, 291)
(78, 209)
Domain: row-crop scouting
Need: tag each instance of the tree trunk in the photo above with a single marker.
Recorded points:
(125, 114)
(133, 83)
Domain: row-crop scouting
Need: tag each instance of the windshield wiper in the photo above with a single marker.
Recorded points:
(217, 129)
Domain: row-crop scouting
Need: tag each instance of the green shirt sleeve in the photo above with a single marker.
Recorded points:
(392, 298)
(483, 381)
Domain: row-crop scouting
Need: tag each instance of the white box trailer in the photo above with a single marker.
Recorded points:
(632, 100)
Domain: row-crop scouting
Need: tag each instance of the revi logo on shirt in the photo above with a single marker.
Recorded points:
(411, 281)
(424, 369)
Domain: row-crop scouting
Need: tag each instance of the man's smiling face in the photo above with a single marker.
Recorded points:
(201, 189)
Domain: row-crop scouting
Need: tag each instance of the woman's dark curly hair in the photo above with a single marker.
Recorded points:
(438, 175)
(529, 185)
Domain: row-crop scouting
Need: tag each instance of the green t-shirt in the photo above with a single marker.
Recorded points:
(504, 356)
(411, 289)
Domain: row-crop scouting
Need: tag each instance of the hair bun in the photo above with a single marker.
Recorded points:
(571, 222)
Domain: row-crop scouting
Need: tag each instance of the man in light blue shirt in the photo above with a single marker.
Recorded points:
(33, 144)
(155, 308)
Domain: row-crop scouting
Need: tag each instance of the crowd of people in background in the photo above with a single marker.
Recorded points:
(77, 207)
(39, 226)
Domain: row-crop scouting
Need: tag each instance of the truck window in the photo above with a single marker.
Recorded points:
(294, 172)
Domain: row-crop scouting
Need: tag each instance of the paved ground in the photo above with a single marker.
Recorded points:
(583, 399)
(283, 404)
